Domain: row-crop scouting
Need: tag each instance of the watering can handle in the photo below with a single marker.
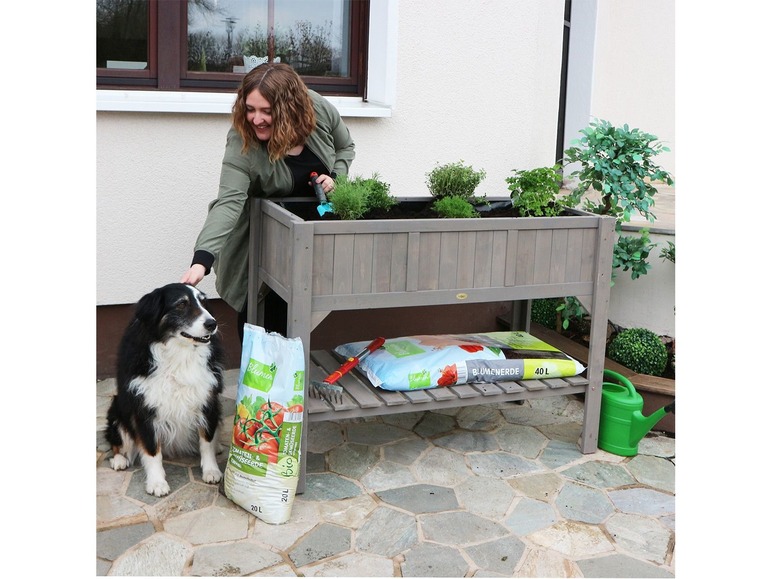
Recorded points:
(620, 380)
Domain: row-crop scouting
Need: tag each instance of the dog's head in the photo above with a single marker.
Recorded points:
(176, 310)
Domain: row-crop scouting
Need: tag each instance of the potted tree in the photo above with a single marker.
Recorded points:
(616, 176)
(618, 164)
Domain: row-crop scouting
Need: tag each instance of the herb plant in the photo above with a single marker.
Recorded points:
(454, 206)
(349, 197)
(454, 179)
(534, 192)
(378, 193)
(353, 197)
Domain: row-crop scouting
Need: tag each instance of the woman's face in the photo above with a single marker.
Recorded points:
(259, 115)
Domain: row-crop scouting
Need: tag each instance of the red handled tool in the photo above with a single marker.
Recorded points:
(327, 389)
(354, 360)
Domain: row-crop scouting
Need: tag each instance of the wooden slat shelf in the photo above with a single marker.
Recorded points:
(361, 398)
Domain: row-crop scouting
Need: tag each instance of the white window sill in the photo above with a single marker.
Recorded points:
(202, 102)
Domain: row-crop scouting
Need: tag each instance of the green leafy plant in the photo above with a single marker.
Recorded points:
(535, 192)
(640, 350)
(379, 196)
(617, 162)
(544, 311)
(631, 253)
(454, 180)
(349, 197)
(571, 310)
(558, 313)
(454, 206)
(668, 253)
(353, 197)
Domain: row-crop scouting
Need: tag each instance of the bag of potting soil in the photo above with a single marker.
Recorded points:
(263, 466)
(420, 362)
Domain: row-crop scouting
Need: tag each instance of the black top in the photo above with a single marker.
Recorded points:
(302, 166)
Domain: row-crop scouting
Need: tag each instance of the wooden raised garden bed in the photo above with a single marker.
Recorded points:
(318, 266)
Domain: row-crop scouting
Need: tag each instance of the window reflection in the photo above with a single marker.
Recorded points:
(236, 35)
(122, 33)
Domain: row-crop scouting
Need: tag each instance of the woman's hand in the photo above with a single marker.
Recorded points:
(194, 275)
(327, 183)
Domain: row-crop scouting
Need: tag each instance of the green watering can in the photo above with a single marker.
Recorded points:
(622, 424)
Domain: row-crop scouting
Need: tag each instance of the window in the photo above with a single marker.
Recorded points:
(208, 45)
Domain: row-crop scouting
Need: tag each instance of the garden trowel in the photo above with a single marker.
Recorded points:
(324, 205)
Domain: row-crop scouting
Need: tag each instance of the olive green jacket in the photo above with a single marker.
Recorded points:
(225, 234)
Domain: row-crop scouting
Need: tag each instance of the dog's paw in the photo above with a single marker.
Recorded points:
(158, 488)
(212, 475)
(119, 462)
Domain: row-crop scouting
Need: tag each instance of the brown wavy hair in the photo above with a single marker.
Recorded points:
(292, 111)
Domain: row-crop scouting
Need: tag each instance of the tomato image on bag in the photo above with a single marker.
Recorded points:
(263, 466)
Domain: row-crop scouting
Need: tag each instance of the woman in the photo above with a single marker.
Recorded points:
(281, 132)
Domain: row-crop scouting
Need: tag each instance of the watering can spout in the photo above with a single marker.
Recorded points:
(643, 424)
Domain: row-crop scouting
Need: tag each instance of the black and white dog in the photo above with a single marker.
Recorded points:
(169, 377)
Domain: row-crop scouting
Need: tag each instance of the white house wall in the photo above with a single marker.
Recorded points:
(475, 81)
(634, 83)
(634, 79)
(649, 301)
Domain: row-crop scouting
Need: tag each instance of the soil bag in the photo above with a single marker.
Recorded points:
(420, 362)
(263, 466)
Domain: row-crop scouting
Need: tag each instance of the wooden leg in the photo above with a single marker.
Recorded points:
(588, 442)
(521, 316)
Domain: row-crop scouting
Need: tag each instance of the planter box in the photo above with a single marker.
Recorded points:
(318, 266)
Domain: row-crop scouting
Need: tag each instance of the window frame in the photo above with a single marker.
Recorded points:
(141, 79)
(167, 58)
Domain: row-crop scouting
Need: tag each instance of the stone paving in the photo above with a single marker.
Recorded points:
(485, 491)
